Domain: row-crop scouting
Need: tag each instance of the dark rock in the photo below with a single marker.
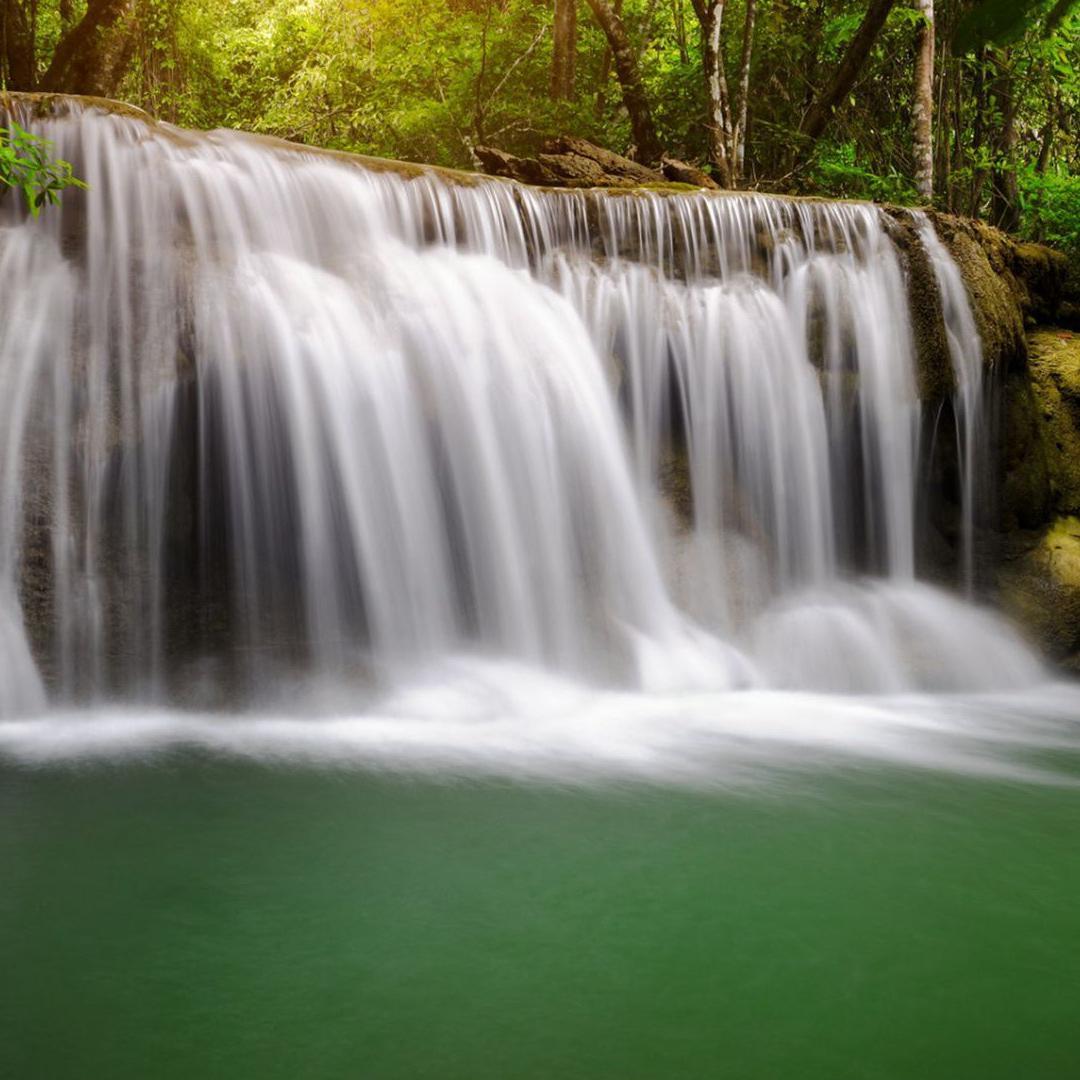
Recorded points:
(568, 162)
(1025, 493)
(525, 170)
(1040, 272)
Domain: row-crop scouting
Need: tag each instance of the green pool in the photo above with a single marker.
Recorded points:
(201, 918)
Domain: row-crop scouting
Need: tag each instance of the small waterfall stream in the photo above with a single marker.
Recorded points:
(270, 415)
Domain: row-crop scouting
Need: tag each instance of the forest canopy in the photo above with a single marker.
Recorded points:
(968, 103)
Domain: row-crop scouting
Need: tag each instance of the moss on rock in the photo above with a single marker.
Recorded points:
(1025, 476)
(1039, 578)
(1054, 365)
(933, 364)
(997, 298)
(39, 105)
(1040, 587)
(1040, 272)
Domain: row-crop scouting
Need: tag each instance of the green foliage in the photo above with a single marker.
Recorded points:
(26, 167)
(1051, 211)
(431, 80)
(1002, 22)
(836, 170)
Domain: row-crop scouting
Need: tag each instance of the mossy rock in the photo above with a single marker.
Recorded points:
(39, 106)
(998, 300)
(1041, 272)
(933, 364)
(1054, 365)
(1026, 496)
(1040, 588)
(673, 482)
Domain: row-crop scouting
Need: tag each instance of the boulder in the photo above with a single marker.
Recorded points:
(1040, 587)
(525, 170)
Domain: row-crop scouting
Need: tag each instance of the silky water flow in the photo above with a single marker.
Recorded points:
(312, 442)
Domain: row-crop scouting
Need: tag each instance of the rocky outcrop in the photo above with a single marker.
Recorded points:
(933, 367)
(1011, 284)
(567, 162)
(576, 163)
(1039, 584)
(1039, 572)
(1054, 367)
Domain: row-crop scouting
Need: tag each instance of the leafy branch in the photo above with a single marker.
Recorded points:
(27, 167)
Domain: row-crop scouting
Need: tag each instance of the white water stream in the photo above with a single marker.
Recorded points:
(274, 423)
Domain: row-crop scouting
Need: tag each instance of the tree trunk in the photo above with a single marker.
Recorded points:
(820, 112)
(742, 112)
(678, 16)
(710, 14)
(978, 138)
(1005, 197)
(633, 92)
(18, 47)
(1046, 144)
(923, 110)
(564, 53)
(77, 62)
(955, 141)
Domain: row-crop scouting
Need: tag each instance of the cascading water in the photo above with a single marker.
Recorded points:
(268, 413)
(965, 352)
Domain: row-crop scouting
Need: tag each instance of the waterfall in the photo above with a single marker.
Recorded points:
(965, 352)
(272, 414)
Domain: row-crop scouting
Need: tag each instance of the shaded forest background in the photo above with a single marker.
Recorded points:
(973, 104)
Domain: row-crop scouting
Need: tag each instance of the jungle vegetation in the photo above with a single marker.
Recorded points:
(970, 104)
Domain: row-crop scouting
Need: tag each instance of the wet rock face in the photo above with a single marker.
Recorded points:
(998, 298)
(1023, 461)
(933, 365)
(1054, 364)
(1040, 588)
(1039, 572)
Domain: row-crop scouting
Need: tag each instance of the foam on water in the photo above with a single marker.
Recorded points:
(468, 718)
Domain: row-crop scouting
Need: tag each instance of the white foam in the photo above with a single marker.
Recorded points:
(476, 718)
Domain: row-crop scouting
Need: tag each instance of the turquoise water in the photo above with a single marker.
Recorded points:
(195, 917)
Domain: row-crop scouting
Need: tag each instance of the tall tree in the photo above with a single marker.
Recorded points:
(711, 15)
(743, 108)
(1005, 194)
(633, 90)
(81, 62)
(18, 40)
(564, 52)
(923, 105)
(727, 119)
(854, 59)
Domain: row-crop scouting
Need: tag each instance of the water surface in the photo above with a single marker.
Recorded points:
(190, 914)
